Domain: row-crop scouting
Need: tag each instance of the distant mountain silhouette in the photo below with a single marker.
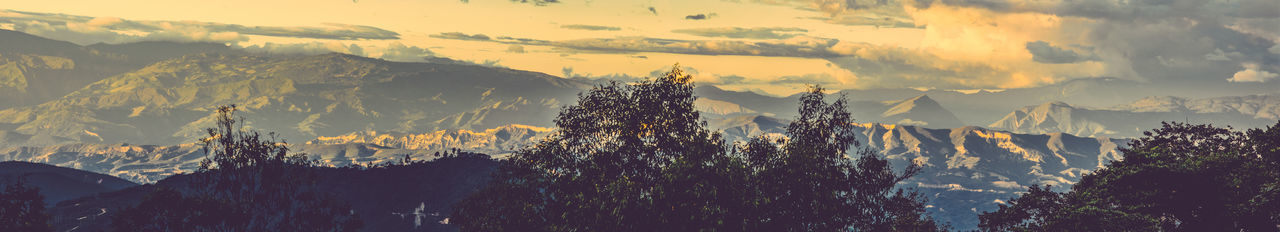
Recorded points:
(1130, 120)
(298, 97)
(150, 163)
(35, 69)
(58, 183)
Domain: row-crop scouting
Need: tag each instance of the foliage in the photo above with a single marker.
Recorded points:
(809, 182)
(1179, 177)
(638, 157)
(248, 178)
(22, 208)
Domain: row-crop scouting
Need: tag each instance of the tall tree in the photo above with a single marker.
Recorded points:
(639, 157)
(809, 182)
(22, 208)
(1179, 177)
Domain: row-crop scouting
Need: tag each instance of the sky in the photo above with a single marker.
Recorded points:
(776, 47)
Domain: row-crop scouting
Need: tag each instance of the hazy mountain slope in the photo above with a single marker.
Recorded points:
(743, 128)
(298, 97)
(381, 196)
(58, 183)
(1130, 120)
(774, 106)
(1255, 106)
(1059, 117)
(147, 52)
(982, 106)
(149, 163)
(34, 69)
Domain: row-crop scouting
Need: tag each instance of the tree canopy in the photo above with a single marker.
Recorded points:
(248, 183)
(1180, 177)
(639, 157)
(22, 208)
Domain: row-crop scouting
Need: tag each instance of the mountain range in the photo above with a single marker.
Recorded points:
(1130, 120)
(151, 163)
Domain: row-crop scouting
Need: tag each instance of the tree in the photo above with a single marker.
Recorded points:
(1179, 177)
(22, 208)
(808, 182)
(248, 178)
(639, 157)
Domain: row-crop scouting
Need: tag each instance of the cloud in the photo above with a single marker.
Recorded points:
(568, 73)
(537, 2)
(397, 51)
(1044, 53)
(730, 80)
(807, 79)
(310, 48)
(699, 16)
(590, 27)
(88, 30)
(1036, 42)
(394, 51)
(878, 13)
(515, 48)
(461, 36)
(1251, 73)
(871, 66)
(1155, 41)
(665, 69)
(749, 33)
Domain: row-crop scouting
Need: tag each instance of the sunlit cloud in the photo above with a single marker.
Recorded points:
(749, 33)
(88, 30)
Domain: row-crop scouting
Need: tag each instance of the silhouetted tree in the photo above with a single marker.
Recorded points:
(638, 157)
(808, 182)
(1179, 177)
(22, 208)
(248, 178)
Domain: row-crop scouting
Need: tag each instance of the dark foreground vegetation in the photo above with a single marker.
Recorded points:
(638, 157)
(1179, 177)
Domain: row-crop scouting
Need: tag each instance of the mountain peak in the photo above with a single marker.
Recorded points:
(905, 106)
(921, 111)
(923, 98)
